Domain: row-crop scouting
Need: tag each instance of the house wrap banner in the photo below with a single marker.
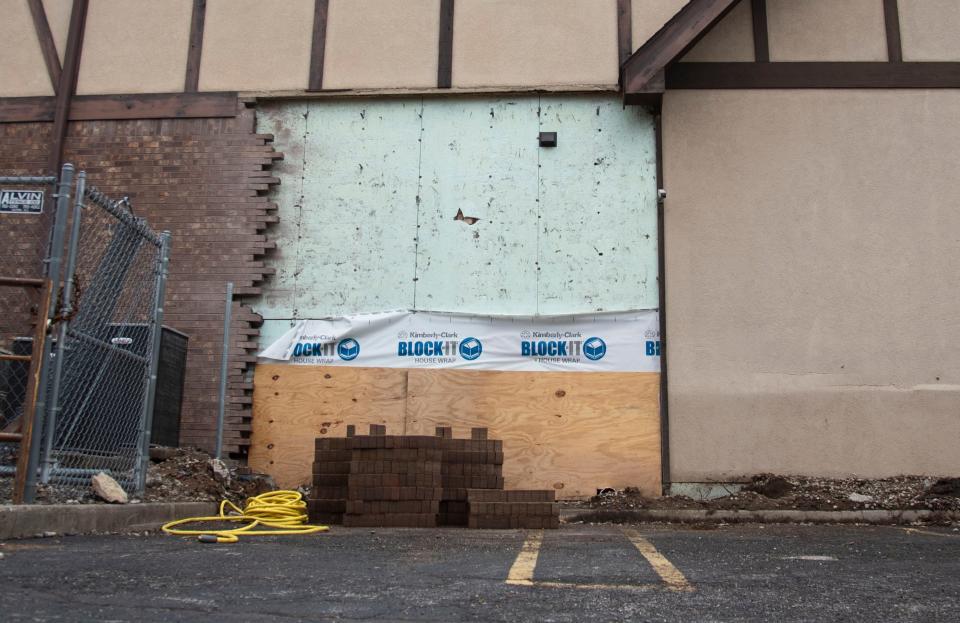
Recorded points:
(608, 342)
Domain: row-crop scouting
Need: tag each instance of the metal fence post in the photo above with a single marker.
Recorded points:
(224, 359)
(157, 328)
(66, 307)
(53, 275)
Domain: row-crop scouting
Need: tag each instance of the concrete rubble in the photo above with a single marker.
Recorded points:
(108, 489)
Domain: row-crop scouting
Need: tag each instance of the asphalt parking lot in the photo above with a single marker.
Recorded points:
(577, 573)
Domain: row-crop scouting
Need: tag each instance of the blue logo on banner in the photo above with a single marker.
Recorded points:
(348, 349)
(594, 348)
(470, 348)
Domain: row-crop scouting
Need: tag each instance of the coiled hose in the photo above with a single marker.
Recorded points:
(284, 512)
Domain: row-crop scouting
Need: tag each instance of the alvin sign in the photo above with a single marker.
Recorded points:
(21, 201)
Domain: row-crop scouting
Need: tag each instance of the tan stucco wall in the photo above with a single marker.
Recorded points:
(251, 45)
(648, 16)
(58, 16)
(731, 40)
(139, 46)
(826, 30)
(930, 30)
(535, 42)
(381, 44)
(22, 70)
(135, 46)
(813, 267)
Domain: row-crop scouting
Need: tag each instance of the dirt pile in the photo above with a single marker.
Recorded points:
(772, 492)
(190, 475)
(174, 475)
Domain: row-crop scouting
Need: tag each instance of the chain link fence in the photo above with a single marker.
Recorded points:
(107, 326)
(99, 345)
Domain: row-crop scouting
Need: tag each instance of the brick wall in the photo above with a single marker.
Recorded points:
(205, 180)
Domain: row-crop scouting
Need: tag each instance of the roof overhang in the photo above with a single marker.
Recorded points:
(642, 75)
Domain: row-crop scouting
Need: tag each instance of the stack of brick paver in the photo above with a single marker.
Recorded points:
(475, 463)
(512, 509)
(394, 481)
(331, 472)
(420, 481)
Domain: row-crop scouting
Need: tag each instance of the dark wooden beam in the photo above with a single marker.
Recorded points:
(761, 43)
(320, 10)
(26, 109)
(67, 85)
(445, 49)
(891, 17)
(797, 75)
(154, 106)
(195, 51)
(672, 41)
(134, 106)
(650, 96)
(662, 311)
(624, 29)
(47, 44)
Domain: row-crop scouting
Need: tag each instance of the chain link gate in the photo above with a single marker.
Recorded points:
(100, 390)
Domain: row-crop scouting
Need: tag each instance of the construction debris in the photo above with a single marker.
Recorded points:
(219, 469)
(108, 489)
(190, 475)
(771, 492)
(174, 475)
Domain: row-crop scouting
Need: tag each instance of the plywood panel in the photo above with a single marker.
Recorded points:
(293, 405)
(570, 432)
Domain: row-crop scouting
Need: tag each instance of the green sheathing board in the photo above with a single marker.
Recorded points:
(347, 207)
(598, 234)
(479, 157)
(370, 189)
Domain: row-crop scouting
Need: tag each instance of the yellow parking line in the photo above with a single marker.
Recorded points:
(670, 575)
(523, 567)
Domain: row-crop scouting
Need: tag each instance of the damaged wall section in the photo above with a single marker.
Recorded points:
(452, 205)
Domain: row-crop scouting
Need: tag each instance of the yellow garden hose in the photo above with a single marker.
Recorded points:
(283, 511)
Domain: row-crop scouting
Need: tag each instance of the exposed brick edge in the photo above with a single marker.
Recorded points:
(246, 323)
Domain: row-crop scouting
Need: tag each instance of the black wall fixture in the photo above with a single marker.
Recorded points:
(548, 139)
